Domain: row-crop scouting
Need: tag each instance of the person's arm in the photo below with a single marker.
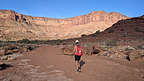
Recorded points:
(74, 49)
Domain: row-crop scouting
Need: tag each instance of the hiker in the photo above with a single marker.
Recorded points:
(77, 54)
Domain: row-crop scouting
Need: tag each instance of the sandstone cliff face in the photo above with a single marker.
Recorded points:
(15, 26)
(97, 16)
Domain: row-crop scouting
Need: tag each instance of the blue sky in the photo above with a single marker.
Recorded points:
(71, 8)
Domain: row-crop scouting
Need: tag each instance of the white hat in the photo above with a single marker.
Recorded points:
(76, 41)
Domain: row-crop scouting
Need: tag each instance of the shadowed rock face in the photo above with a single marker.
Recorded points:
(129, 29)
(15, 26)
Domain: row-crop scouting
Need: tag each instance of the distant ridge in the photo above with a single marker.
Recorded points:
(15, 26)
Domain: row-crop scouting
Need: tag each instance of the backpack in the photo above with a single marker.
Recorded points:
(79, 51)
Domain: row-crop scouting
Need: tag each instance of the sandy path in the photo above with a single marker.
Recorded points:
(59, 67)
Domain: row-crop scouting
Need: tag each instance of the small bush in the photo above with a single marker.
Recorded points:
(97, 32)
(35, 42)
(83, 35)
(58, 42)
(25, 41)
(3, 45)
(111, 31)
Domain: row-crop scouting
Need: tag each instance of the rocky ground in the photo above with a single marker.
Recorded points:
(55, 63)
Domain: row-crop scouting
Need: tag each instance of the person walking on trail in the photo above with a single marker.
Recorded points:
(78, 52)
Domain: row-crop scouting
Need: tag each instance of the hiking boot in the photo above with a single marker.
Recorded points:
(78, 70)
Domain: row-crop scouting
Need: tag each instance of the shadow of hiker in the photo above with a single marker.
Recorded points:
(82, 63)
(5, 66)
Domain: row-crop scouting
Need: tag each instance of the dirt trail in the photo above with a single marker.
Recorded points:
(59, 67)
(48, 63)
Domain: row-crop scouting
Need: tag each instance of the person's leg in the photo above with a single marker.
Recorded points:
(77, 64)
(76, 61)
(79, 61)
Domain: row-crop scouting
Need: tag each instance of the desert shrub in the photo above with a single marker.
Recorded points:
(96, 33)
(83, 35)
(34, 42)
(111, 31)
(25, 41)
(11, 42)
(58, 42)
(2, 45)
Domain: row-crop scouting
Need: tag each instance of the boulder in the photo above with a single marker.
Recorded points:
(2, 52)
(8, 52)
(13, 56)
(23, 49)
(129, 48)
(107, 53)
(10, 49)
(67, 51)
(95, 50)
(4, 66)
(4, 57)
(138, 54)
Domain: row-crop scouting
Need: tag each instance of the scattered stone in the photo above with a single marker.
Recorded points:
(25, 60)
(23, 50)
(8, 52)
(15, 48)
(2, 52)
(137, 54)
(4, 58)
(106, 53)
(13, 56)
(129, 48)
